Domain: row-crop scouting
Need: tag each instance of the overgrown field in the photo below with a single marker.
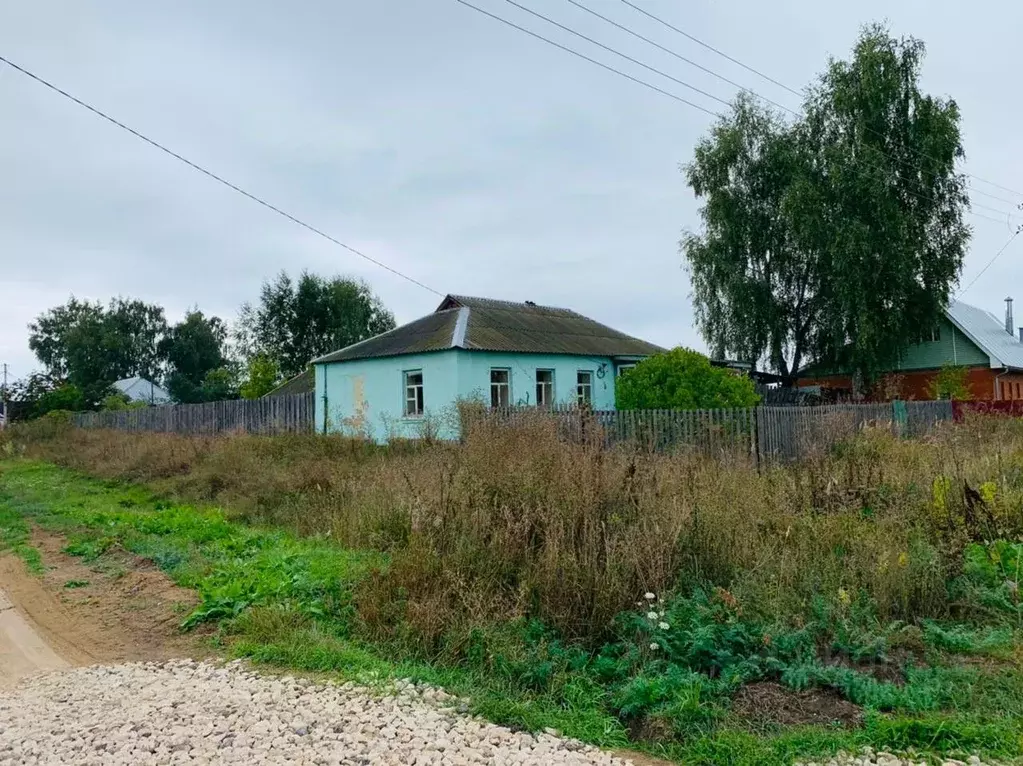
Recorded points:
(700, 609)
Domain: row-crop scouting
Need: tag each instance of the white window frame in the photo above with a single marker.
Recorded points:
(548, 401)
(414, 394)
(499, 385)
(580, 396)
(623, 368)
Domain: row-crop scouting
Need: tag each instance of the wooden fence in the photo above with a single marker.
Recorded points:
(760, 432)
(271, 415)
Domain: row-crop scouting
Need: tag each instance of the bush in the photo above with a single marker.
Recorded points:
(681, 379)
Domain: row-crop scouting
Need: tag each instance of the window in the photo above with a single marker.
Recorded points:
(544, 388)
(413, 393)
(584, 386)
(933, 335)
(500, 388)
(624, 368)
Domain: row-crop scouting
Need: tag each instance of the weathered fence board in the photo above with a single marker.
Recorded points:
(272, 415)
(761, 433)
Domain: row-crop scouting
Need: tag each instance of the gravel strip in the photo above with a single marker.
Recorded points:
(198, 712)
(868, 757)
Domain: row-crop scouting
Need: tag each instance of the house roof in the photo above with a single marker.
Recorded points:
(485, 324)
(303, 383)
(988, 332)
(141, 390)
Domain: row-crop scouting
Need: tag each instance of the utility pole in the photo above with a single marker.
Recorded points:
(3, 400)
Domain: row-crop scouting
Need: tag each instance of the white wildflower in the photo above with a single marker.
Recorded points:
(651, 615)
(649, 596)
(660, 614)
(654, 647)
(663, 625)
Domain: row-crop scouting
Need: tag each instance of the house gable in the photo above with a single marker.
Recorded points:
(948, 346)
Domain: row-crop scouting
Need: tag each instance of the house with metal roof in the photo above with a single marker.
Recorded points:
(503, 353)
(966, 336)
(139, 389)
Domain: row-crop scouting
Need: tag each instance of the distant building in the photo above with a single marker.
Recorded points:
(966, 336)
(303, 383)
(505, 354)
(141, 390)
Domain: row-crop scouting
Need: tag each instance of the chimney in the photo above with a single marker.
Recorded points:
(1008, 315)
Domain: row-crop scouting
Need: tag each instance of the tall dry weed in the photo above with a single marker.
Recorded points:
(516, 522)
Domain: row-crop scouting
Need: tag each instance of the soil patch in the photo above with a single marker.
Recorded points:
(122, 610)
(768, 702)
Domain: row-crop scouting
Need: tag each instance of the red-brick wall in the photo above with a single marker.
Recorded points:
(916, 385)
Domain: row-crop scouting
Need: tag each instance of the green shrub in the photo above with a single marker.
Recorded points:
(682, 379)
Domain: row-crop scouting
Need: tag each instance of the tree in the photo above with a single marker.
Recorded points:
(836, 236)
(952, 382)
(295, 322)
(48, 334)
(263, 377)
(192, 349)
(682, 379)
(90, 346)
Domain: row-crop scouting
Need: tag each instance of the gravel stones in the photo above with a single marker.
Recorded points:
(200, 712)
(868, 757)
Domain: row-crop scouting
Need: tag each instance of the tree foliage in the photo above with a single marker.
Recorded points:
(952, 382)
(90, 346)
(194, 348)
(682, 379)
(294, 322)
(263, 377)
(836, 236)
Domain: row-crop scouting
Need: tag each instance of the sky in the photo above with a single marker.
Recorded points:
(469, 156)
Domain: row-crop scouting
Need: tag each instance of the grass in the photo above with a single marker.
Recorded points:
(512, 570)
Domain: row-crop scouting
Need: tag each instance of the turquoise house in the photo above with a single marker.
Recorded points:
(408, 380)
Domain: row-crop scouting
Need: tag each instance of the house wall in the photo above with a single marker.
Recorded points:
(475, 366)
(916, 385)
(367, 396)
(952, 347)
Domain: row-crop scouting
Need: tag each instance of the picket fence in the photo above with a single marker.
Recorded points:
(270, 415)
(761, 432)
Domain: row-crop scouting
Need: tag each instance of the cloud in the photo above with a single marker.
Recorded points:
(456, 150)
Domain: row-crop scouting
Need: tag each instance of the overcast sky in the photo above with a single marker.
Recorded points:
(461, 152)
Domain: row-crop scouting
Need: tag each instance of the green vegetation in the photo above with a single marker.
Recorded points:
(682, 379)
(817, 242)
(951, 383)
(626, 598)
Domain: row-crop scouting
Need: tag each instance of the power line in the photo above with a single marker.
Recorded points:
(583, 56)
(995, 258)
(710, 47)
(993, 196)
(719, 76)
(651, 86)
(757, 72)
(989, 218)
(680, 57)
(608, 48)
(214, 176)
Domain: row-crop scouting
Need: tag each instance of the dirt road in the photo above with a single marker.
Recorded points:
(22, 650)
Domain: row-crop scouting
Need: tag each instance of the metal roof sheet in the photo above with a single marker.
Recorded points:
(985, 329)
(485, 324)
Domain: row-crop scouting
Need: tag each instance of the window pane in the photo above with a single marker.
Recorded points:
(499, 376)
(414, 393)
(544, 388)
(500, 387)
(584, 386)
